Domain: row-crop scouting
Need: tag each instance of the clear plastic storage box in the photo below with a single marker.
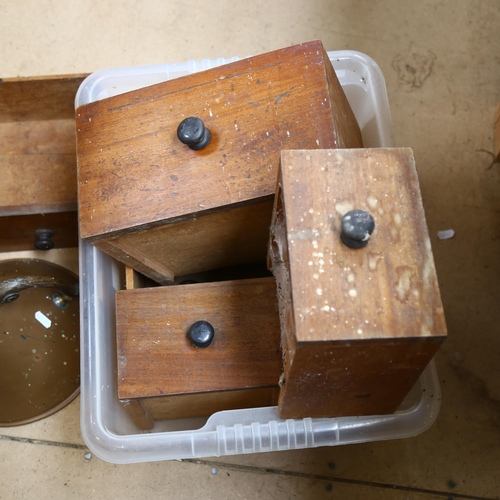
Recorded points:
(107, 428)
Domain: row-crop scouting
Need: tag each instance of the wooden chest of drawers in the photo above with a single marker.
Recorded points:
(361, 316)
(167, 210)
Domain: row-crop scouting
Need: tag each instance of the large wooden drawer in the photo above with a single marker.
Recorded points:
(166, 210)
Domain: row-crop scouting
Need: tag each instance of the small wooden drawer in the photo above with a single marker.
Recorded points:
(162, 375)
(359, 325)
(38, 162)
(167, 210)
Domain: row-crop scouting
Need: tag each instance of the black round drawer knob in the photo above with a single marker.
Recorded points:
(43, 239)
(192, 132)
(357, 227)
(201, 333)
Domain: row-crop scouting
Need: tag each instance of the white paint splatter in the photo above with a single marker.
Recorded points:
(446, 234)
(343, 208)
(372, 202)
(41, 318)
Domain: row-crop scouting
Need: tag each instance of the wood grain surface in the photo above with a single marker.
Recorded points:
(234, 236)
(358, 326)
(38, 165)
(39, 98)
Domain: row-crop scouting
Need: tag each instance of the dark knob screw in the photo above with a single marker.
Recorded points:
(43, 239)
(192, 132)
(357, 227)
(201, 333)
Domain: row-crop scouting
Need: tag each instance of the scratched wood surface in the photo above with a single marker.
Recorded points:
(134, 174)
(158, 365)
(358, 326)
